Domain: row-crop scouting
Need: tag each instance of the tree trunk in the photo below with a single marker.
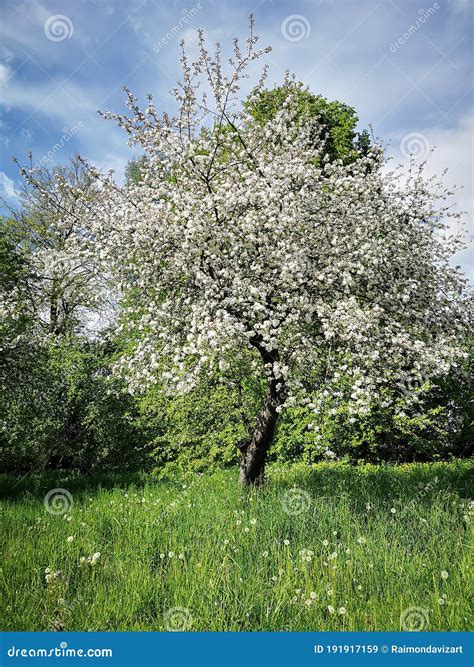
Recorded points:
(54, 308)
(254, 453)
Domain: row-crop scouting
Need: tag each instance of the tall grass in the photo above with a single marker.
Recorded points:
(326, 548)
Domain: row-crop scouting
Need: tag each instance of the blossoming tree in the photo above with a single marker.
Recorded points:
(244, 235)
(64, 292)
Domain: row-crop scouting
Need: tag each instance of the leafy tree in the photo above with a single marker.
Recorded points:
(134, 170)
(64, 410)
(16, 324)
(55, 397)
(65, 289)
(338, 120)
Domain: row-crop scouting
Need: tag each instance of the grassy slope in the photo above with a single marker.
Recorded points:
(223, 579)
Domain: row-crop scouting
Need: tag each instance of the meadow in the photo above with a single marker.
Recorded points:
(328, 547)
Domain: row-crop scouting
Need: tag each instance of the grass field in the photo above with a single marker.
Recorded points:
(326, 548)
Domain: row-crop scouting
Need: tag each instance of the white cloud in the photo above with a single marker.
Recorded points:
(7, 187)
(5, 72)
(7, 55)
(65, 102)
(453, 150)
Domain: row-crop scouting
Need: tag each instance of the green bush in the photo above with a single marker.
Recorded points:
(66, 411)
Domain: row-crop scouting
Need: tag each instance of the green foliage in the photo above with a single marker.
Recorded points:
(13, 264)
(339, 120)
(62, 408)
(202, 429)
(133, 170)
(68, 412)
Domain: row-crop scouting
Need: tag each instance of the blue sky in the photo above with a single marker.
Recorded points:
(405, 66)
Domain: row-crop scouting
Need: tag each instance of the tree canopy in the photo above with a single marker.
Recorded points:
(339, 120)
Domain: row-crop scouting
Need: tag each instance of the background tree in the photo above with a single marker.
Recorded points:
(339, 120)
(51, 219)
(134, 170)
(16, 325)
(60, 407)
